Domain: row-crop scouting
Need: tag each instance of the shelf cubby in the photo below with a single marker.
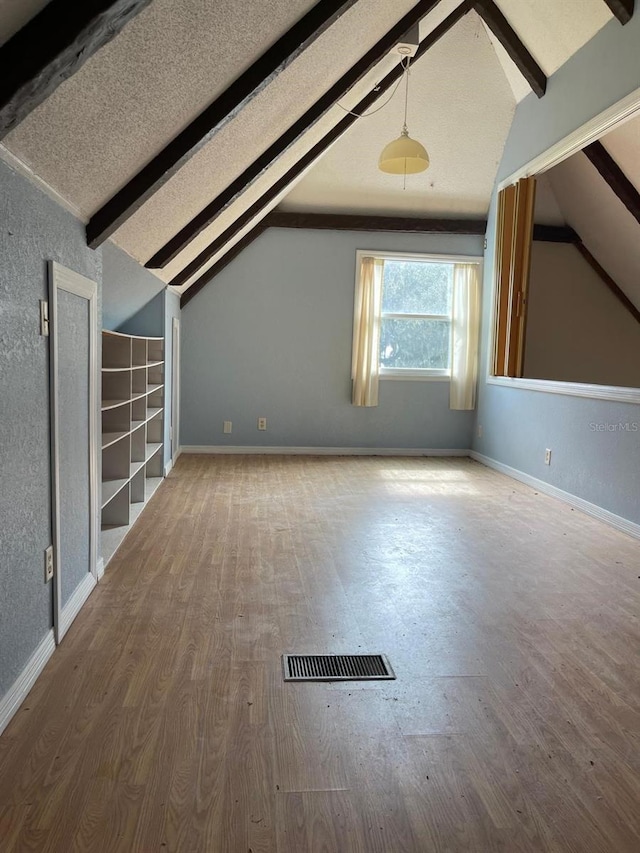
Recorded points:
(132, 430)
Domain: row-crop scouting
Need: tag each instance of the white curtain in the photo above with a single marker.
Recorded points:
(366, 333)
(466, 325)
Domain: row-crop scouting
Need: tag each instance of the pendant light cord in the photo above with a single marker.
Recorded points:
(406, 92)
(405, 73)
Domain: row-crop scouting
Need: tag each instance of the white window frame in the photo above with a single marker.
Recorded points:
(610, 118)
(416, 374)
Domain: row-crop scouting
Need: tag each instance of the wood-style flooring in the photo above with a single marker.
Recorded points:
(512, 622)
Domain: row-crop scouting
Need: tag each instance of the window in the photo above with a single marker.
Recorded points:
(415, 317)
(415, 329)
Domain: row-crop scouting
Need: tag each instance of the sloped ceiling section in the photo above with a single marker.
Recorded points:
(127, 102)
(554, 30)
(607, 228)
(460, 108)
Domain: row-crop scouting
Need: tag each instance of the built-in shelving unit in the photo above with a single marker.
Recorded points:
(132, 431)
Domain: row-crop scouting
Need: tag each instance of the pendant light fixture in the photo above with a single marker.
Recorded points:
(404, 156)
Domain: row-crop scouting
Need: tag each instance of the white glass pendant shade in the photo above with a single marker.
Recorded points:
(404, 156)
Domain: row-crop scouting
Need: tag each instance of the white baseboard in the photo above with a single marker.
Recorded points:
(72, 607)
(168, 467)
(594, 510)
(100, 568)
(18, 691)
(322, 451)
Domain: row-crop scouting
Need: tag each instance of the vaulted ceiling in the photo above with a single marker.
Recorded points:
(103, 138)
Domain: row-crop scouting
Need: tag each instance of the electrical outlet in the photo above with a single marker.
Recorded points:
(227, 427)
(48, 564)
(547, 457)
(262, 423)
(479, 430)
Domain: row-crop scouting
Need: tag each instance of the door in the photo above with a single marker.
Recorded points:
(175, 388)
(73, 379)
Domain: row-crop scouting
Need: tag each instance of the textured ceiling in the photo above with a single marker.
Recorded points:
(519, 85)
(460, 108)
(262, 121)
(14, 14)
(553, 30)
(131, 98)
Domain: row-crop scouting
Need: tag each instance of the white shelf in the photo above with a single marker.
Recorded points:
(132, 453)
(135, 467)
(109, 438)
(113, 404)
(110, 489)
(109, 333)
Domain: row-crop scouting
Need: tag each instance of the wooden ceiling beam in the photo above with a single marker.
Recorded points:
(223, 109)
(336, 222)
(51, 47)
(613, 286)
(555, 234)
(237, 187)
(282, 184)
(615, 177)
(622, 9)
(364, 222)
(508, 38)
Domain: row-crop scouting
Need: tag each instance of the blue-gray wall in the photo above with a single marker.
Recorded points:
(599, 466)
(132, 299)
(137, 302)
(33, 229)
(271, 337)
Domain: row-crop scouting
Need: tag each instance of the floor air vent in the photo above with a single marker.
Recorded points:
(336, 667)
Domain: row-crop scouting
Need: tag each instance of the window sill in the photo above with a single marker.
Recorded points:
(410, 376)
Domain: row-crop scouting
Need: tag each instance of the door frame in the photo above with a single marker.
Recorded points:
(61, 278)
(175, 389)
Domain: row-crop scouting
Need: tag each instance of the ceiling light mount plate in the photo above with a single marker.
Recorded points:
(410, 43)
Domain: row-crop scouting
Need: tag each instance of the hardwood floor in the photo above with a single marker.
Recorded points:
(512, 623)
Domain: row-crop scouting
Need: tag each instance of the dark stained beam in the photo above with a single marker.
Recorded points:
(51, 47)
(312, 155)
(359, 222)
(622, 9)
(235, 189)
(348, 222)
(615, 177)
(507, 36)
(231, 255)
(555, 234)
(608, 281)
(203, 128)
